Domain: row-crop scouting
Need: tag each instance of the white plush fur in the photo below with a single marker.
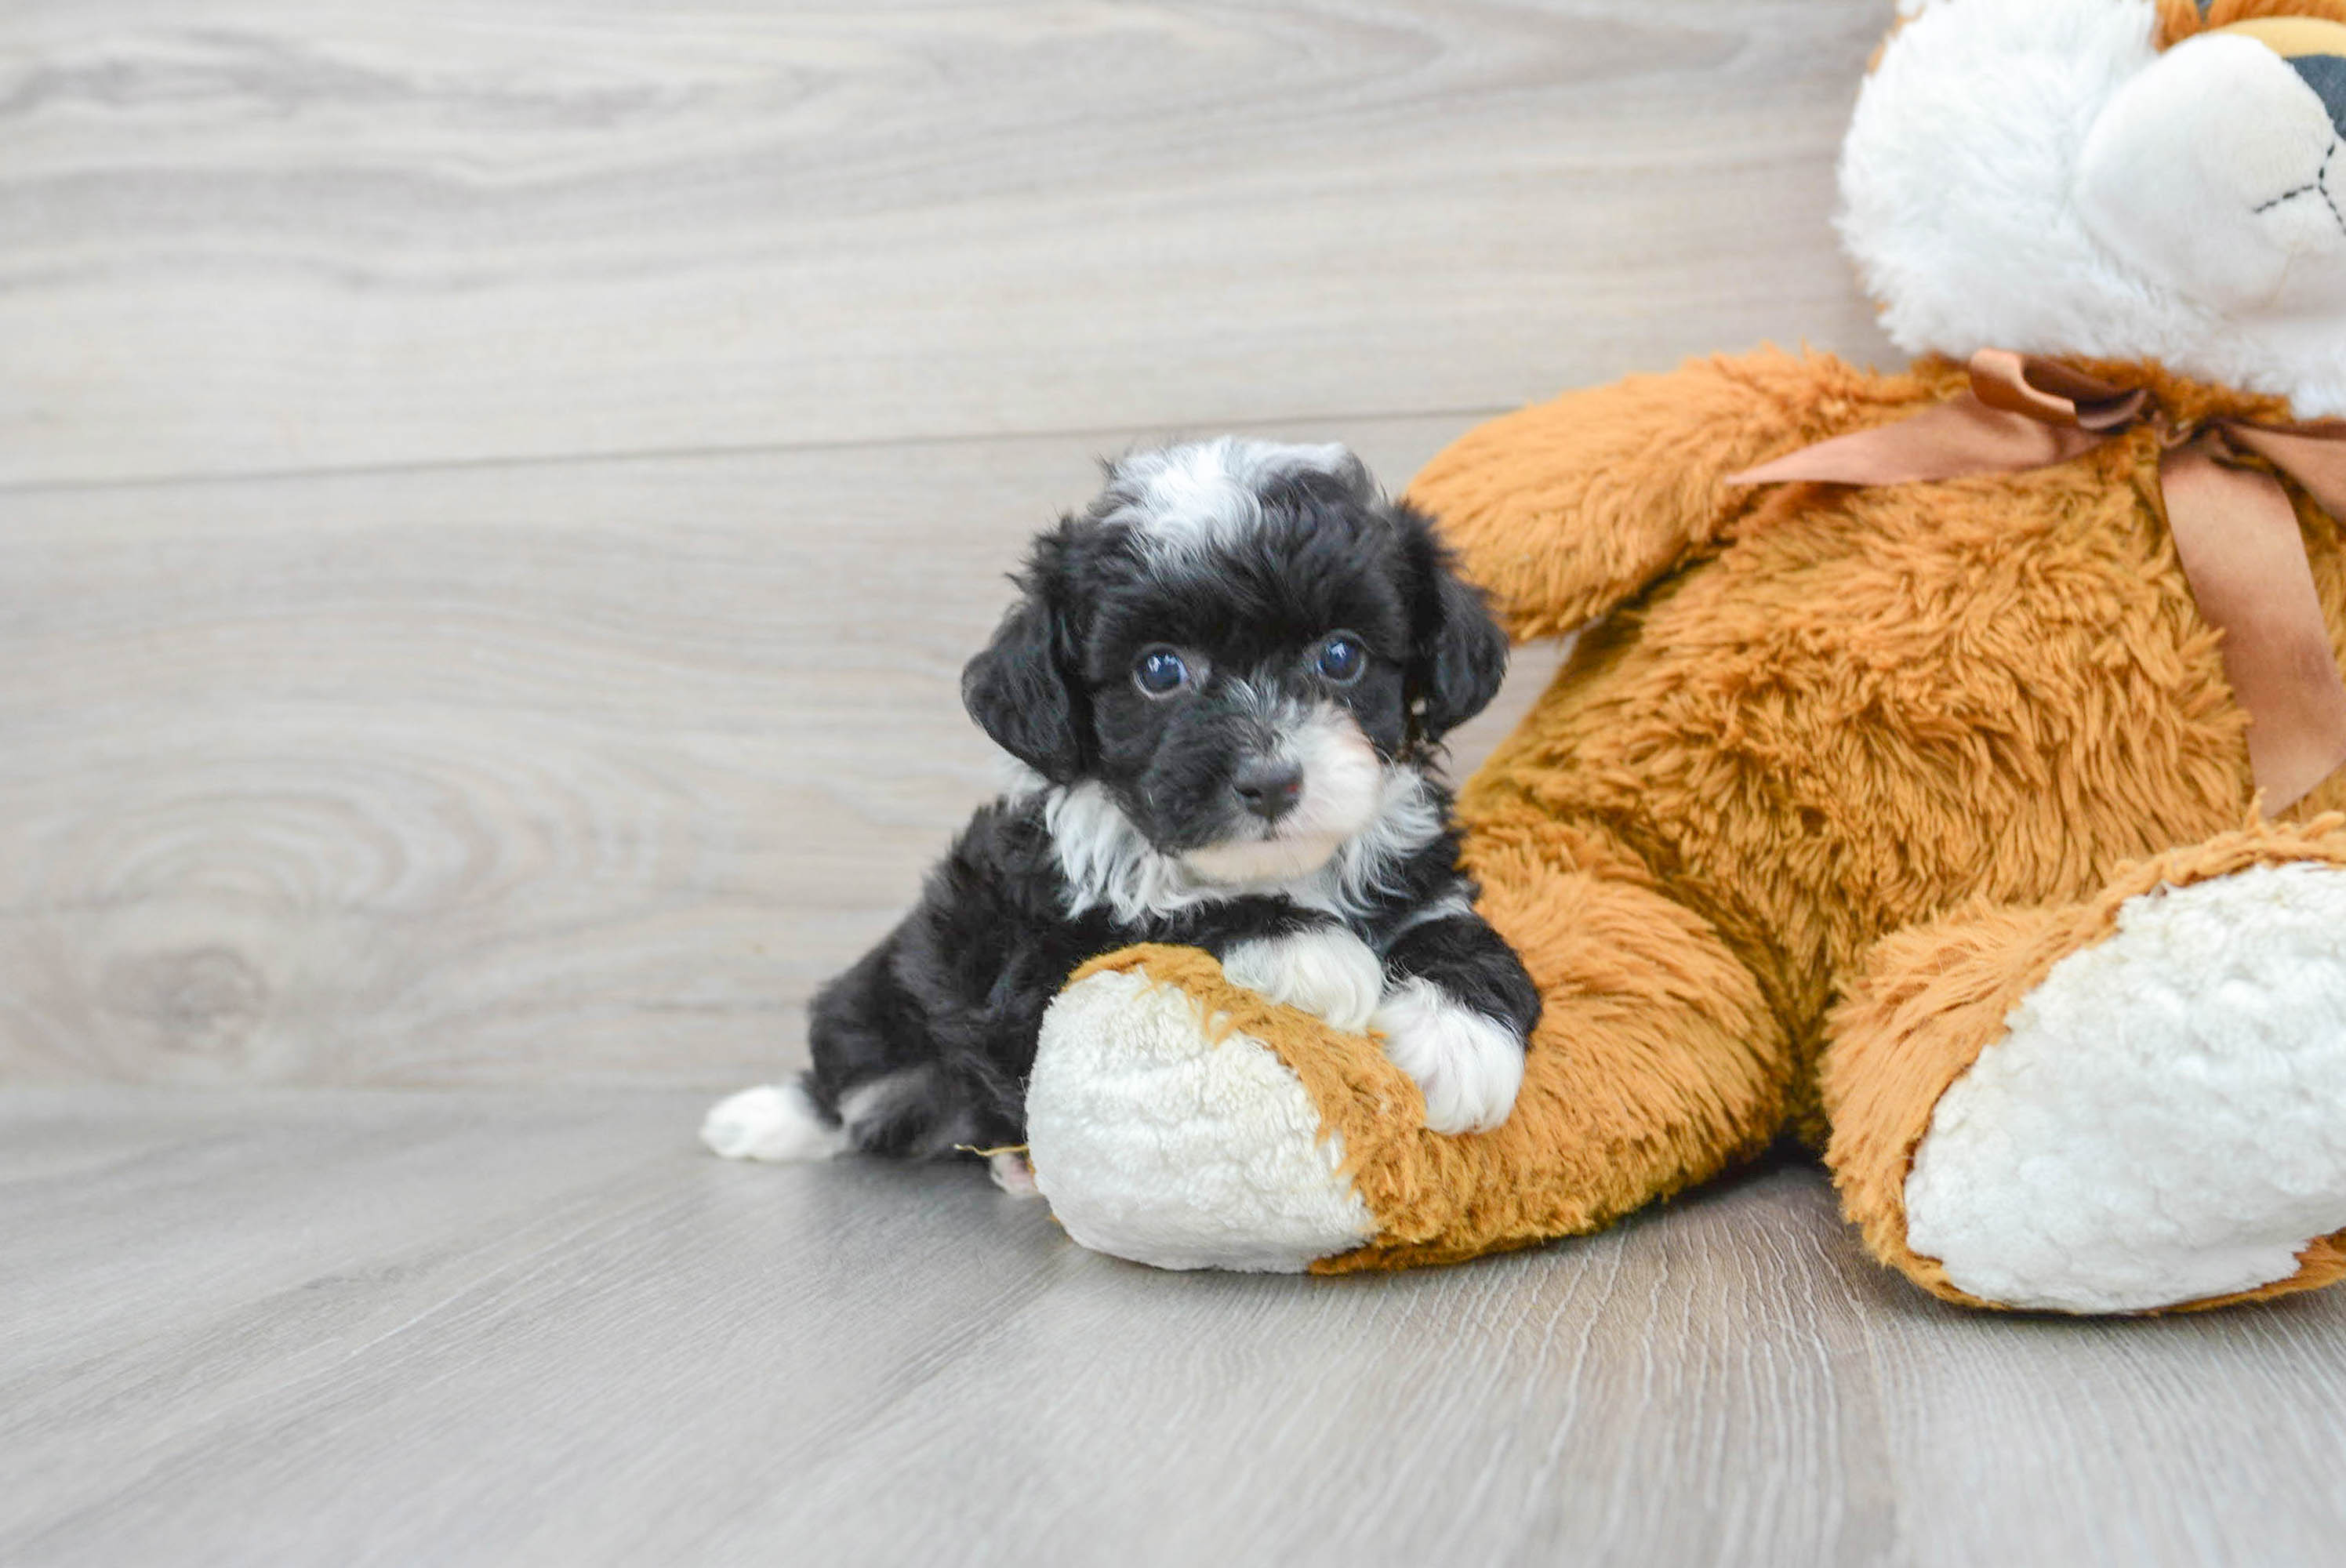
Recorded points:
(1331, 974)
(2209, 171)
(2165, 1119)
(1189, 500)
(773, 1122)
(2033, 175)
(1470, 1066)
(1155, 1142)
(1109, 862)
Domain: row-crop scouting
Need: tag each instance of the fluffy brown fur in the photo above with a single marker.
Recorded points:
(1818, 715)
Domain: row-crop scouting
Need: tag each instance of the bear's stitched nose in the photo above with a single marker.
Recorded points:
(1270, 786)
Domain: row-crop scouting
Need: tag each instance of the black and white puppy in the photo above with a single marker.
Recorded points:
(1226, 681)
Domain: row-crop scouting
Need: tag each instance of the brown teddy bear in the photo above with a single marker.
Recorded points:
(1947, 767)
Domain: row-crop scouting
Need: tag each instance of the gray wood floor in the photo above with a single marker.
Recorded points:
(460, 1326)
(493, 500)
(496, 498)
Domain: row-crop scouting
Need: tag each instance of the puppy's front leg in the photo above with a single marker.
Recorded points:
(1305, 962)
(1456, 1012)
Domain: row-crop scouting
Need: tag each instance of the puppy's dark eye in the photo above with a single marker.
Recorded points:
(1160, 672)
(1342, 659)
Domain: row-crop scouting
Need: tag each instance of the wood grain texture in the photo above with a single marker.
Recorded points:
(251, 235)
(365, 719)
(458, 1327)
(577, 772)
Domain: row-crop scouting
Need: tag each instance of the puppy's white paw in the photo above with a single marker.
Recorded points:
(1469, 1063)
(1012, 1173)
(1330, 973)
(773, 1122)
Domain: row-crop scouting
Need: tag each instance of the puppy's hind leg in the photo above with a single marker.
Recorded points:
(1012, 1173)
(805, 1119)
(779, 1123)
(909, 1114)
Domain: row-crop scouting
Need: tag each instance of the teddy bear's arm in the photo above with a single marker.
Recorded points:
(1564, 509)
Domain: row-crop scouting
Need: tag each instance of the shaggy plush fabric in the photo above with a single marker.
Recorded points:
(1818, 715)
(1208, 1126)
(2160, 1118)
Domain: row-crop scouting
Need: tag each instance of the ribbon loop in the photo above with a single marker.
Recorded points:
(2234, 527)
(2053, 393)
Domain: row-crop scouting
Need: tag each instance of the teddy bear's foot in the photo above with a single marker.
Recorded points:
(2163, 1121)
(1155, 1140)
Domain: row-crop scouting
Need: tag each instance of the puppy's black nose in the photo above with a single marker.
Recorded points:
(1270, 786)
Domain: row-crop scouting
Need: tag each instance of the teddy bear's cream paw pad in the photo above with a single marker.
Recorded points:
(2166, 1120)
(1154, 1142)
(773, 1122)
(1331, 974)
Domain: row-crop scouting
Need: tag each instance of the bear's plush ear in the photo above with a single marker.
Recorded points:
(1025, 689)
(1460, 656)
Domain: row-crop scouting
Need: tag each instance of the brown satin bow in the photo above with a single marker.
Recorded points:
(2235, 529)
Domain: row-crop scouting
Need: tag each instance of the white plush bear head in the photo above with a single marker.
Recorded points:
(2114, 179)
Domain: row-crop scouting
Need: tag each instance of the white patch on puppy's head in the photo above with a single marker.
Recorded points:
(1195, 497)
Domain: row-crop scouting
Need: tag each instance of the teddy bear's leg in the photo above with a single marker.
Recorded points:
(1656, 1061)
(1166, 1125)
(1180, 1120)
(2131, 1104)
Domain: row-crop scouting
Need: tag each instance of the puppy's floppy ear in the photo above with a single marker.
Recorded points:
(1459, 654)
(1025, 689)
